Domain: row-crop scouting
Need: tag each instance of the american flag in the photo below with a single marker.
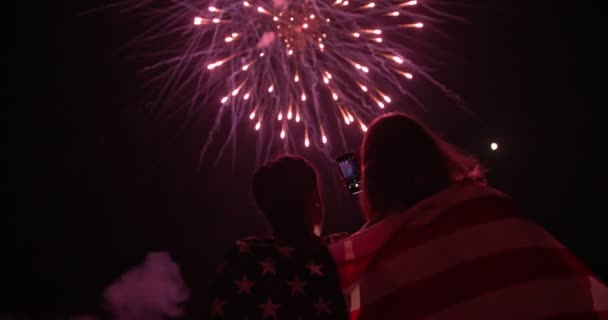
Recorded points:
(464, 253)
(264, 278)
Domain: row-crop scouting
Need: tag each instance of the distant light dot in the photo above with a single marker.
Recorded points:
(494, 146)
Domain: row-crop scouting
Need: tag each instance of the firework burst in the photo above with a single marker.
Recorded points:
(297, 71)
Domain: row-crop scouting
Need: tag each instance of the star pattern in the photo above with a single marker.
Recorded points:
(217, 307)
(321, 306)
(269, 309)
(297, 286)
(265, 279)
(314, 268)
(244, 285)
(268, 267)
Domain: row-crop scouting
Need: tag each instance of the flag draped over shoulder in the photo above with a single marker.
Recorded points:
(464, 253)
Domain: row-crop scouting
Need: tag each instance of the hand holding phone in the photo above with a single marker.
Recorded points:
(350, 171)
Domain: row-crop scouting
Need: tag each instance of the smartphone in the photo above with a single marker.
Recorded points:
(350, 171)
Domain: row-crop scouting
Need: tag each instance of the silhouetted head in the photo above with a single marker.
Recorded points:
(286, 192)
(403, 163)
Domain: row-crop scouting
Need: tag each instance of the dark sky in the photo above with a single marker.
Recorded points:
(107, 179)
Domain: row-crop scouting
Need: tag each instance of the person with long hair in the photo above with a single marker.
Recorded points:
(441, 244)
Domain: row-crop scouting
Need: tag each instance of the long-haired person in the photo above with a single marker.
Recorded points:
(440, 244)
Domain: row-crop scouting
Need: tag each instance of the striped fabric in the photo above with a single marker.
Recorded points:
(464, 253)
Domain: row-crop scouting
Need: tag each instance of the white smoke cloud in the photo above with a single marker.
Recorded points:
(151, 291)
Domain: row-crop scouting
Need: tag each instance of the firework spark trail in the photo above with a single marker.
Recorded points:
(292, 67)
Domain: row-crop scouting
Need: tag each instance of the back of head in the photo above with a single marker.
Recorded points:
(403, 163)
(283, 189)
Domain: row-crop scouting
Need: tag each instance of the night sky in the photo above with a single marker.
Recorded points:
(105, 175)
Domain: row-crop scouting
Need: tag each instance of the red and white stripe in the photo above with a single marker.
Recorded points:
(464, 254)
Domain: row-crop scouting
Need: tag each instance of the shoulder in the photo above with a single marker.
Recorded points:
(486, 208)
(499, 217)
(477, 212)
(252, 245)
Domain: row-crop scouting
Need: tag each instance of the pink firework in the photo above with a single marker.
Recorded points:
(299, 70)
